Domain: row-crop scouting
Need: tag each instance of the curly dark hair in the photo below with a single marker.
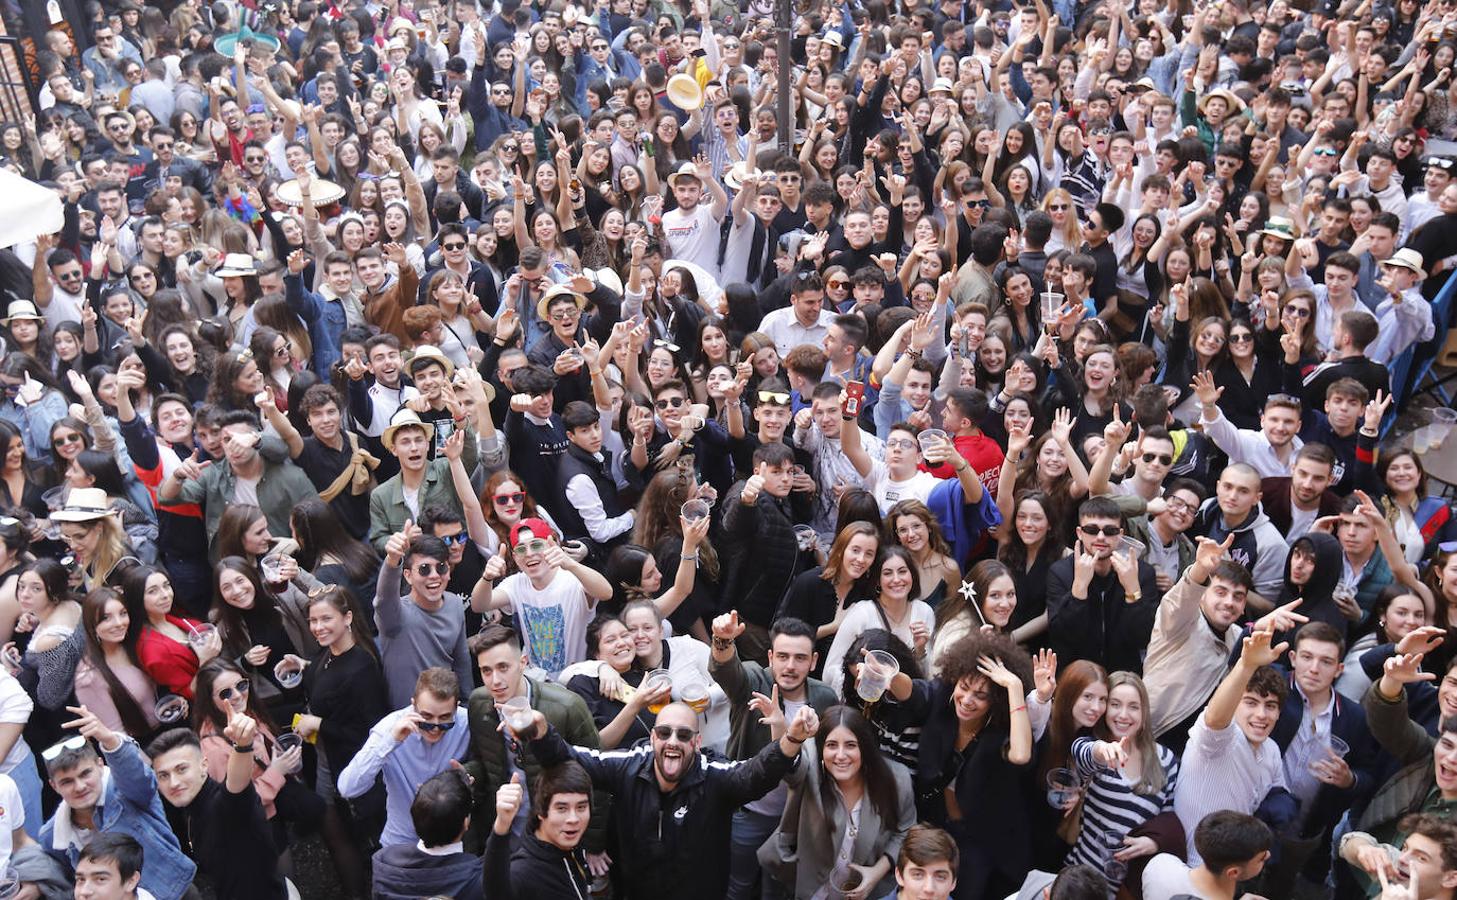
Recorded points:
(960, 661)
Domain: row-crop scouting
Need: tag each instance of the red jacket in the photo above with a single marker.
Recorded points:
(169, 663)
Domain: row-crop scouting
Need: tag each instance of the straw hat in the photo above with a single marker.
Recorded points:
(734, 177)
(404, 417)
(237, 264)
(686, 170)
(427, 353)
(399, 24)
(834, 38)
(607, 278)
(22, 309)
(685, 92)
(552, 293)
(1234, 103)
(942, 86)
(1279, 227)
(1405, 258)
(83, 505)
(322, 192)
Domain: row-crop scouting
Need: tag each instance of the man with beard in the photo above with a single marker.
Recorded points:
(786, 680)
(672, 804)
(425, 628)
(1294, 503)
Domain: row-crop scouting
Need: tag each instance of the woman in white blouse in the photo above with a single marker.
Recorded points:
(892, 609)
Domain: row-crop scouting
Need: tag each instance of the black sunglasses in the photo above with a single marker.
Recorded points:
(673, 402)
(435, 726)
(425, 569)
(667, 732)
(1163, 458)
(239, 690)
(1105, 530)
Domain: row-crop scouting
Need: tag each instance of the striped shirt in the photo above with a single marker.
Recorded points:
(1111, 808)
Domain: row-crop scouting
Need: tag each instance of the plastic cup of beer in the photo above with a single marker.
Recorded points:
(271, 568)
(843, 880)
(696, 696)
(654, 680)
(876, 673)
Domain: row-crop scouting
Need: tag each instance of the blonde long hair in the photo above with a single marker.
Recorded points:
(1072, 232)
(111, 548)
(1153, 777)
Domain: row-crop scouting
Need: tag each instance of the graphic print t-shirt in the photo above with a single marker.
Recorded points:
(553, 621)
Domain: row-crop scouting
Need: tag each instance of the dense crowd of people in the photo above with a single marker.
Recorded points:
(491, 442)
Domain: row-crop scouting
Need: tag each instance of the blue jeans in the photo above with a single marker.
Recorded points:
(750, 831)
(27, 779)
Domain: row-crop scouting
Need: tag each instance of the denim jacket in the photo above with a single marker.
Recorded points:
(129, 804)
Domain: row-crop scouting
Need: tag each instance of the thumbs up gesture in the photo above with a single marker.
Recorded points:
(399, 542)
(496, 566)
(508, 802)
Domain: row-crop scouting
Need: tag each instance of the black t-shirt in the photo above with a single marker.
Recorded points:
(233, 844)
(323, 465)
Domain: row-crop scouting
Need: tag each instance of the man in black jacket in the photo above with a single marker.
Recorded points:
(547, 861)
(1101, 599)
(437, 863)
(593, 513)
(672, 803)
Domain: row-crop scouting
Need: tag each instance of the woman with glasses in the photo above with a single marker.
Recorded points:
(505, 503)
(1248, 374)
(910, 524)
(94, 533)
(109, 677)
(263, 624)
(326, 549)
(850, 808)
(280, 368)
(1067, 231)
(169, 648)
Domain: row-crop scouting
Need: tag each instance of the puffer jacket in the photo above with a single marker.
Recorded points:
(404, 872)
(564, 711)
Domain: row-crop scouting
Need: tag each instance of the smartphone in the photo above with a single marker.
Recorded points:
(699, 52)
(854, 396)
(964, 345)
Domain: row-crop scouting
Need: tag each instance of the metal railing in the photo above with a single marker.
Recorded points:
(17, 87)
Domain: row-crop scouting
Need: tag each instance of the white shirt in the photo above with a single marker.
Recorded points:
(1312, 742)
(15, 709)
(1252, 447)
(784, 327)
(888, 492)
(1165, 877)
(692, 235)
(1220, 770)
(864, 616)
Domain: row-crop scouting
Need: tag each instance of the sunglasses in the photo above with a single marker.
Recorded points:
(537, 546)
(426, 569)
(453, 246)
(67, 439)
(1056, 206)
(435, 726)
(667, 345)
(509, 499)
(1105, 530)
(668, 732)
(1163, 458)
(317, 592)
(1325, 151)
(454, 539)
(55, 750)
(238, 690)
(1298, 312)
(1447, 546)
(670, 402)
(1242, 338)
(775, 397)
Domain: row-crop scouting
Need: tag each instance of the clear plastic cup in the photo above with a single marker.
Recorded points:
(287, 741)
(695, 510)
(695, 694)
(1444, 419)
(843, 880)
(271, 568)
(876, 672)
(1051, 303)
(930, 437)
(518, 714)
(1338, 747)
(1113, 869)
(288, 673)
(200, 634)
(805, 538)
(1128, 543)
(171, 709)
(655, 680)
(1063, 786)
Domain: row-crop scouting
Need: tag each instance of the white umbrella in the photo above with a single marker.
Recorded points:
(30, 210)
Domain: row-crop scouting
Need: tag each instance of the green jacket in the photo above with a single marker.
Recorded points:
(281, 487)
(740, 681)
(567, 713)
(387, 509)
(1411, 746)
